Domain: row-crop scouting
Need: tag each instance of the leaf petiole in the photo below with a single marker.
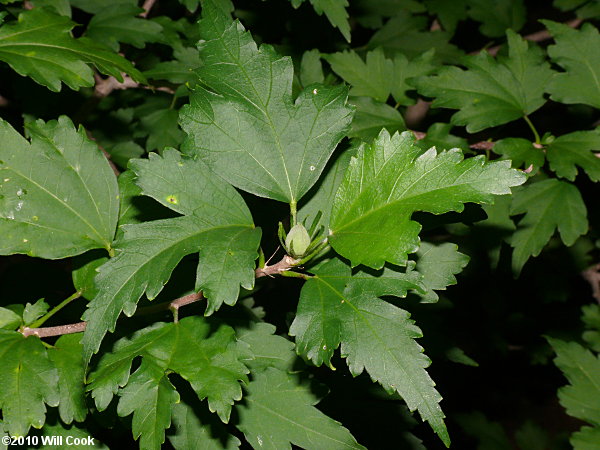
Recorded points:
(38, 323)
(533, 129)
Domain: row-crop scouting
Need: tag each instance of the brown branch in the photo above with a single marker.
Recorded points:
(147, 6)
(286, 263)
(592, 276)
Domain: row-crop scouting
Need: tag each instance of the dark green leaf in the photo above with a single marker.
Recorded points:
(66, 357)
(391, 179)
(247, 129)
(338, 307)
(280, 412)
(548, 205)
(267, 349)
(28, 380)
(34, 311)
(163, 130)
(575, 51)
(581, 148)
(523, 153)
(491, 92)
(216, 216)
(371, 116)
(40, 45)
(58, 194)
(311, 69)
(118, 23)
(496, 16)
(438, 264)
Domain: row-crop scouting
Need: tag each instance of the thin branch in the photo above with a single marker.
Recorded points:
(147, 6)
(592, 276)
(286, 263)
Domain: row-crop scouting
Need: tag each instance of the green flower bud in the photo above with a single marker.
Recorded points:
(297, 241)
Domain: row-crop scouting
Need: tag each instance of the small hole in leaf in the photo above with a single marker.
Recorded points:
(172, 199)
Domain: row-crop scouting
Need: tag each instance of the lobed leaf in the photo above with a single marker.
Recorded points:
(39, 44)
(491, 92)
(580, 148)
(58, 194)
(391, 179)
(247, 128)
(29, 382)
(337, 307)
(279, 412)
(548, 205)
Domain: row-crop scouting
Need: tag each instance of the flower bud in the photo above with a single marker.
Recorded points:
(297, 241)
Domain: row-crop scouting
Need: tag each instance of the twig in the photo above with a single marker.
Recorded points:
(147, 6)
(278, 268)
(592, 276)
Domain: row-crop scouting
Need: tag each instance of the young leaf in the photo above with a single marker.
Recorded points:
(217, 223)
(208, 360)
(438, 264)
(338, 307)
(575, 51)
(118, 23)
(28, 382)
(149, 395)
(247, 129)
(438, 136)
(66, 357)
(40, 45)
(191, 433)
(59, 196)
(449, 14)
(548, 205)
(280, 411)
(311, 69)
(34, 311)
(491, 92)
(575, 149)
(180, 70)
(392, 178)
(581, 398)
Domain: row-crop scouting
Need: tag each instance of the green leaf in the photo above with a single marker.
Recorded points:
(180, 70)
(217, 223)
(191, 433)
(391, 179)
(34, 311)
(335, 10)
(575, 149)
(575, 51)
(338, 307)
(129, 193)
(209, 360)
(122, 152)
(149, 395)
(40, 45)
(84, 272)
(581, 398)
(118, 23)
(409, 34)
(28, 380)
(371, 116)
(9, 320)
(438, 264)
(491, 91)
(66, 357)
(280, 411)
(267, 349)
(448, 13)
(377, 76)
(548, 205)
(58, 195)
(521, 152)
(311, 69)
(371, 14)
(498, 15)
(247, 129)
(163, 129)
(587, 438)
